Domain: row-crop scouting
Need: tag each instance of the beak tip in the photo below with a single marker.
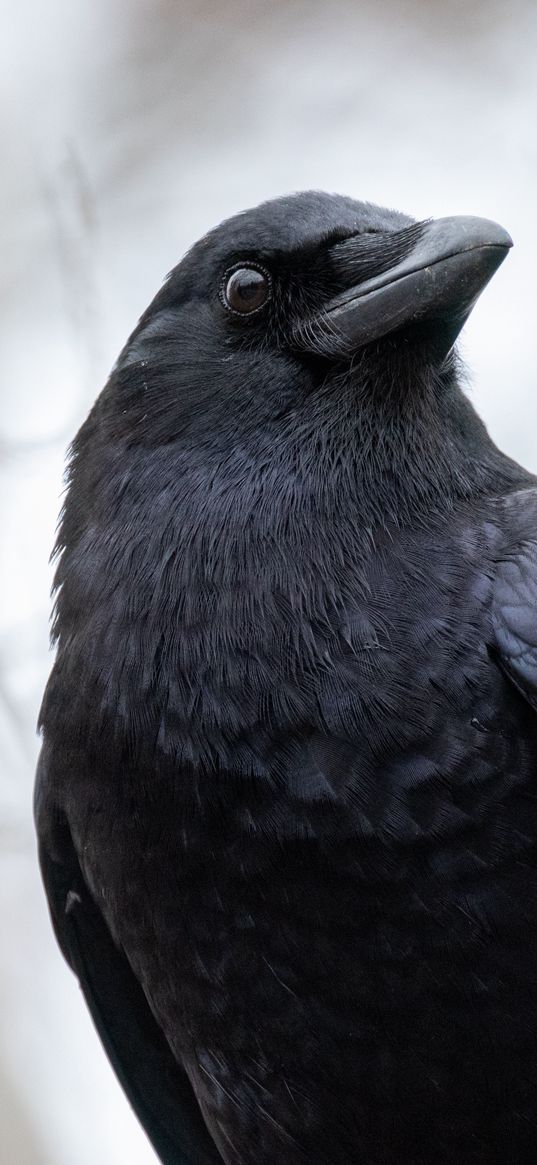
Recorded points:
(479, 232)
(501, 237)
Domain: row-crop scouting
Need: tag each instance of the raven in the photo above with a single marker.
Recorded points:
(286, 799)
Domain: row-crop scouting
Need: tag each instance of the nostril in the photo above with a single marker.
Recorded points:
(363, 256)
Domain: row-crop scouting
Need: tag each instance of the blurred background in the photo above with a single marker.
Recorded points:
(128, 128)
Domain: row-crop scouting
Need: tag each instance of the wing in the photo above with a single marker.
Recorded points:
(155, 1084)
(514, 611)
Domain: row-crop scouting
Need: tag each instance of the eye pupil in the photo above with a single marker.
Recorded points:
(246, 290)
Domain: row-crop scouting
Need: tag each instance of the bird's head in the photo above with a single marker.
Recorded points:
(311, 325)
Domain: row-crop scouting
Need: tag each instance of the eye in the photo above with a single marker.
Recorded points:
(246, 289)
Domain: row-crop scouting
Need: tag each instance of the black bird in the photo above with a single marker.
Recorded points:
(287, 794)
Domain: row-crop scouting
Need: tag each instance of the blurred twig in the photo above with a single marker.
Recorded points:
(73, 215)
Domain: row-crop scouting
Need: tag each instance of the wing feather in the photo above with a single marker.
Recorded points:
(514, 610)
(155, 1083)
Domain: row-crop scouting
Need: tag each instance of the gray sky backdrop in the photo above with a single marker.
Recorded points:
(127, 128)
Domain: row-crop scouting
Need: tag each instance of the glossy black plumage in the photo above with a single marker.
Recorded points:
(286, 799)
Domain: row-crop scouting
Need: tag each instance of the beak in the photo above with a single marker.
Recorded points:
(431, 289)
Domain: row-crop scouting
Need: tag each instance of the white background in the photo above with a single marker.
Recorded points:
(128, 127)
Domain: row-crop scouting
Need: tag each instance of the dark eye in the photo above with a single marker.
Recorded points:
(246, 289)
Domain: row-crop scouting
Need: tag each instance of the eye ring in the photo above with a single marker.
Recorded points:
(265, 287)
